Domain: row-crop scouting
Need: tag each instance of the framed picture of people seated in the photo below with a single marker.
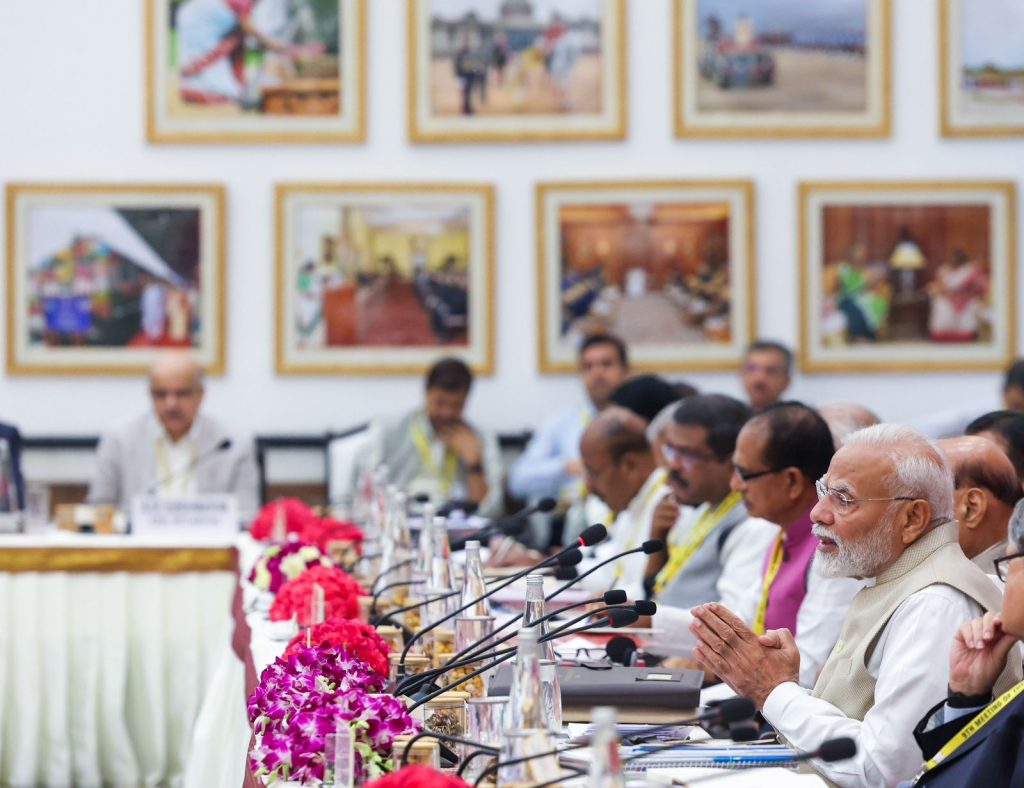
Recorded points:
(668, 266)
(981, 68)
(102, 277)
(907, 276)
(383, 278)
(516, 70)
(778, 68)
(259, 71)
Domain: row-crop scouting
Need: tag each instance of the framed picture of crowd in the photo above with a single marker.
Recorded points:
(101, 277)
(666, 265)
(379, 279)
(509, 70)
(261, 71)
(982, 67)
(778, 68)
(916, 276)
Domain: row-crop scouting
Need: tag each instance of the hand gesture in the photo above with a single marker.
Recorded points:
(978, 655)
(461, 439)
(665, 515)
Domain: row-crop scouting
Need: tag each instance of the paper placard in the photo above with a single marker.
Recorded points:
(210, 515)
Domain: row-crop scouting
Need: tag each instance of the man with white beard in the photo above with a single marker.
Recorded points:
(885, 512)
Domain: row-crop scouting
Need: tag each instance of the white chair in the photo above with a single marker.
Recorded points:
(343, 453)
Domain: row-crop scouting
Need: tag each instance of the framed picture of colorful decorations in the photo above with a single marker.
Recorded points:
(666, 265)
(228, 71)
(907, 276)
(101, 277)
(384, 278)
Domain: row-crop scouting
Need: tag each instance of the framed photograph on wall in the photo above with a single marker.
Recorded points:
(498, 70)
(982, 67)
(379, 279)
(666, 265)
(916, 276)
(101, 277)
(229, 71)
(777, 68)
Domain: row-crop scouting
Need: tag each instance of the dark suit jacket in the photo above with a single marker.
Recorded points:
(993, 757)
(13, 437)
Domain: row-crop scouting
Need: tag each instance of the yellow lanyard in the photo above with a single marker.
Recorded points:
(971, 728)
(657, 485)
(444, 475)
(769, 578)
(167, 475)
(706, 523)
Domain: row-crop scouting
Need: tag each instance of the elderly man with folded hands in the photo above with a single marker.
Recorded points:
(885, 513)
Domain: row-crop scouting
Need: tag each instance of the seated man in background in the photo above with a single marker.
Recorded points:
(12, 485)
(174, 451)
(434, 450)
(765, 373)
(621, 471)
(885, 513)
(1005, 428)
(715, 550)
(992, 754)
(986, 490)
(780, 453)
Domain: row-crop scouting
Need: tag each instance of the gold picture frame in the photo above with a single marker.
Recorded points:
(313, 91)
(357, 261)
(103, 276)
(554, 81)
(738, 78)
(990, 105)
(907, 276)
(669, 266)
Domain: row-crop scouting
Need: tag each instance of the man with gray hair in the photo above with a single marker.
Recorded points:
(885, 513)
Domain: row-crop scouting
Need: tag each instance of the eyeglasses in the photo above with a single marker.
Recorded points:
(749, 476)
(1001, 564)
(842, 503)
(673, 454)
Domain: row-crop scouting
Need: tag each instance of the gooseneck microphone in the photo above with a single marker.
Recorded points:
(389, 570)
(438, 598)
(590, 536)
(425, 734)
(511, 525)
(200, 458)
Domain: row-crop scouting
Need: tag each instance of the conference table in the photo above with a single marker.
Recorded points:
(121, 661)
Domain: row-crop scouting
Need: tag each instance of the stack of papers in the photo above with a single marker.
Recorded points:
(694, 754)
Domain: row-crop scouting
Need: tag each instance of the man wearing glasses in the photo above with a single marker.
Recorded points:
(716, 549)
(971, 737)
(885, 513)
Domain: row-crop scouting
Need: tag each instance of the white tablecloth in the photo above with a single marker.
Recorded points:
(114, 676)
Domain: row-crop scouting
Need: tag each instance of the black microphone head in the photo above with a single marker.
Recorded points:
(619, 649)
(837, 749)
(652, 546)
(571, 558)
(645, 607)
(545, 505)
(421, 497)
(745, 731)
(622, 617)
(224, 445)
(564, 573)
(614, 597)
(592, 535)
(514, 527)
(735, 710)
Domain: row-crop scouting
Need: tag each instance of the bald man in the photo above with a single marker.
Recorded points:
(173, 450)
(620, 470)
(986, 492)
(845, 418)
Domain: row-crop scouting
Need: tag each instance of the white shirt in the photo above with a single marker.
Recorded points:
(174, 462)
(631, 528)
(739, 585)
(911, 666)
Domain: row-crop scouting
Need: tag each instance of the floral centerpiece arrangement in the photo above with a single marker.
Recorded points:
(340, 539)
(282, 562)
(290, 513)
(417, 776)
(341, 595)
(356, 637)
(302, 697)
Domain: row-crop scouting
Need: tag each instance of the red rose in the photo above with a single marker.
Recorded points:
(358, 638)
(341, 595)
(297, 516)
(418, 776)
(322, 531)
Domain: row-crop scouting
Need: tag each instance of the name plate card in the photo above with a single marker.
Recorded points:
(207, 515)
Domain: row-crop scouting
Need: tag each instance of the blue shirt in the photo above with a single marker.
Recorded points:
(540, 469)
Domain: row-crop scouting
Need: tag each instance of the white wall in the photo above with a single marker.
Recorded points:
(71, 108)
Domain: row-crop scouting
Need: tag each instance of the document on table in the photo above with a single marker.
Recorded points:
(772, 777)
